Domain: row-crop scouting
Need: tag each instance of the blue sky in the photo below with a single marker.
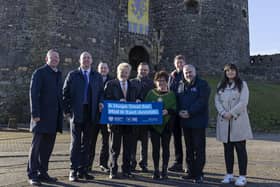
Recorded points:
(264, 25)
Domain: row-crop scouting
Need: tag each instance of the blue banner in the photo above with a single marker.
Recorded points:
(131, 113)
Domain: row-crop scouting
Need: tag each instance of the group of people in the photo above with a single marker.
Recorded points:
(184, 96)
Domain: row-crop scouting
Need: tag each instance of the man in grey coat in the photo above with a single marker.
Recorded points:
(46, 117)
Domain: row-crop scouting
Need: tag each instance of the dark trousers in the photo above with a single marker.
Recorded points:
(240, 148)
(195, 141)
(39, 154)
(162, 139)
(118, 138)
(104, 153)
(80, 142)
(139, 133)
(177, 135)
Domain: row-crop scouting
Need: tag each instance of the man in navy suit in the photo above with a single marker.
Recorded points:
(46, 117)
(121, 89)
(82, 100)
(103, 69)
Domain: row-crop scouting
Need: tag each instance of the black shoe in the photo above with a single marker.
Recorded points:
(104, 168)
(198, 180)
(164, 176)
(88, 177)
(89, 169)
(73, 176)
(186, 177)
(176, 168)
(133, 168)
(144, 169)
(113, 176)
(34, 182)
(156, 175)
(164, 173)
(80, 175)
(127, 175)
(46, 178)
(85, 176)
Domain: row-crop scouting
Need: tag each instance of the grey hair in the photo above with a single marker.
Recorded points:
(124, 65)
(85, 52)
(101, 63)
(190, 66)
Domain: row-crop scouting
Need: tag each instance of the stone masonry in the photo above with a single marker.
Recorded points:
(209, 33)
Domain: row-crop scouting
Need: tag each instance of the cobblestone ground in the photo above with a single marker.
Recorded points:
(263, 166)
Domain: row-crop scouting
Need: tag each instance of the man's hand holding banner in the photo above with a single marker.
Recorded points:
(131, 113)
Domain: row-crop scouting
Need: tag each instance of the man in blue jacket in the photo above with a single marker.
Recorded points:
(175, 77)
(82, 100)
(193, 110)
(103, 69)
(46, 117)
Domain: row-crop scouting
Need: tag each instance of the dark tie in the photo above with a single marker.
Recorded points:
(124, 88)
(86, 88)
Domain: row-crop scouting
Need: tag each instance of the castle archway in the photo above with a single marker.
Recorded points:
(138, 54)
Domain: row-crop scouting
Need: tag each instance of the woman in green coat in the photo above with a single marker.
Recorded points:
(161, 133)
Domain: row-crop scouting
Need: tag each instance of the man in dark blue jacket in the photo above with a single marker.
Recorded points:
(175, 77)
(103, 69)
(144, 84)
(46, 117)
(82, 100)
(193, 110)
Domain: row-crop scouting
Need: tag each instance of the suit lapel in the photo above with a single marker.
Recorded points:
(80, 72)
(93, 84)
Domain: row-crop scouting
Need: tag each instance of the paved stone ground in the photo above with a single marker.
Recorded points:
(263, 166)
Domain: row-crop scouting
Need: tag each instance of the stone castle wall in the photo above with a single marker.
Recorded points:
(29, 28)
(264, 68)
(208, 33)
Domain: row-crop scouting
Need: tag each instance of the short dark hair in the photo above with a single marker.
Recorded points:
(51, 51)
(161, 74)
(180, 57)
(143, 64)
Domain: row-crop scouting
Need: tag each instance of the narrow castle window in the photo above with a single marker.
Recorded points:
(191, 3)
(244, 13)
(192, 6)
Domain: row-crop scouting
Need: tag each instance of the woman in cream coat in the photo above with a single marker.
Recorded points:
(233, 126)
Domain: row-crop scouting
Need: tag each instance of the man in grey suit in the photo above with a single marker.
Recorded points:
(46, 117)
(82, 100)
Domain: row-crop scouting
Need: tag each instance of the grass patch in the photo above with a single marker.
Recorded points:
(264, 105)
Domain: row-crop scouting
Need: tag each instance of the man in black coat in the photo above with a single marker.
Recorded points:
(46, 117)
(103, 69)
(82, 100)
(144, 84)
(121, 89)
(175, 77)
